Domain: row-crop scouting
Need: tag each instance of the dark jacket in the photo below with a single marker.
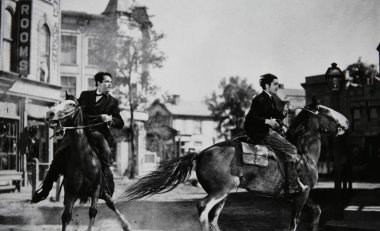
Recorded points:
(262, 107)
(105, 105)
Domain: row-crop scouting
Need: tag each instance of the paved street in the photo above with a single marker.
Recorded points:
(171, 211)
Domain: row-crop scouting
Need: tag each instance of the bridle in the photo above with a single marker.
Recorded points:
(61, 129)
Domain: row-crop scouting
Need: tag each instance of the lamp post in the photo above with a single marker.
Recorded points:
(335, 77)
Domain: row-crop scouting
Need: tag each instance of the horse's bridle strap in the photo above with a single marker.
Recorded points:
(84, 126)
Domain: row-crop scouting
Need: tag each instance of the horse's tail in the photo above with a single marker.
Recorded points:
(168, 175)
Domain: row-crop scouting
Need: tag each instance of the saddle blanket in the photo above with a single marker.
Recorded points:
(255, 154)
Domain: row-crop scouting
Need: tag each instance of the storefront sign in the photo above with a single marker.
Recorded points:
(25, 15)
(365, 103)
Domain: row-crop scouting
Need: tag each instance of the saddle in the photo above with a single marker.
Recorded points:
(254, 153)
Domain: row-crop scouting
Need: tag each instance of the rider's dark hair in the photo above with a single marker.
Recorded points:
(100, 76)
(266, 79)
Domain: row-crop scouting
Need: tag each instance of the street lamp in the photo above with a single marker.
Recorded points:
(335, 77)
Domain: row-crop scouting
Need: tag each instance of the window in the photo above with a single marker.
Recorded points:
(91, 84)
(8, 41)
(149, 158)
(44, 54)
(8, 144)
(69, 49)
(69, 84)
(373, 115)
(356, 114)
(93, 52)
(197, 127)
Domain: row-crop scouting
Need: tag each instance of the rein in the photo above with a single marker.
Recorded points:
(71, 113)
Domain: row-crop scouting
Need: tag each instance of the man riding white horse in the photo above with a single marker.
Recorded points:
(100, 108)
(261, 125)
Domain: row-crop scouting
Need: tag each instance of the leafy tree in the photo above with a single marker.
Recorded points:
(129, 56)
(228, 107)
(360, 73)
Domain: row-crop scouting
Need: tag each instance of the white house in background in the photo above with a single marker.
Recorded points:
(196, 130)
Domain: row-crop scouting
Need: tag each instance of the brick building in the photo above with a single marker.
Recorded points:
(360, 103)
(29, 79)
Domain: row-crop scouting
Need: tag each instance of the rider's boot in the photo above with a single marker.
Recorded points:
(108, 186)
(294, 185)
(47, 184)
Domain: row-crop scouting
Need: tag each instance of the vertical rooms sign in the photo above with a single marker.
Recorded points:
(25, 15)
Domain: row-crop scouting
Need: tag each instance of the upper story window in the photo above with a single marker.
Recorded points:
(8, 41)
(44, 54)
(91, 84)
(93, 52)
(197, 127)
(69, 84)
(69, 49)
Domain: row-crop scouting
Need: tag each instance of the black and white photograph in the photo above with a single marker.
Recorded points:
(178, 115)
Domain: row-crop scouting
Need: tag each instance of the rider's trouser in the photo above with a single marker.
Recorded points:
(97, 140)
(281, 145)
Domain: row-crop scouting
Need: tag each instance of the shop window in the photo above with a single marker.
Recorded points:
(69, 49)
(8, 144)
(69, 84)
(37, 141)
(44, 54)
(9, 40)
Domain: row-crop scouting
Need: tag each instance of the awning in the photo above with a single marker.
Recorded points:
(36, 111)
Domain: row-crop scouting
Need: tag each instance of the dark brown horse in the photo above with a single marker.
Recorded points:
(83, 171)
(220, 169)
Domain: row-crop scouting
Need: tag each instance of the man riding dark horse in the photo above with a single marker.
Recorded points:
(261, 124)
(102, 110)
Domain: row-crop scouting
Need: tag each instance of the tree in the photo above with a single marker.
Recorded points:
(128, 55)
(229, 105)
(360, 73)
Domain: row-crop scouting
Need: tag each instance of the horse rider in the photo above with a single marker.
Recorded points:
(99, 107)
(261, 125)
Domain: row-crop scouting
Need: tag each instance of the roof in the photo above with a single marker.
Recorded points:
(189, 108)
(118, 6)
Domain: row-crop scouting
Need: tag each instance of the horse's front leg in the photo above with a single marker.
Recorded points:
(297, 206)
(93, 209)
(316, 214)
(67, 213)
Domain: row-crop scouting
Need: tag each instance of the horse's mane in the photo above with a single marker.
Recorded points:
(298, 127)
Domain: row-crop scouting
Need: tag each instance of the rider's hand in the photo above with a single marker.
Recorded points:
(106, 118)
(272, 123)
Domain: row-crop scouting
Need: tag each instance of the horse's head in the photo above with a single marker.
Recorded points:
(329, 121)
(64, 112)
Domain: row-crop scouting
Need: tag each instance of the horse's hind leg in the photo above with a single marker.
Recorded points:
(123, 221)
(316, 214)
(205, 206)
(69, 204)
(214, 215)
